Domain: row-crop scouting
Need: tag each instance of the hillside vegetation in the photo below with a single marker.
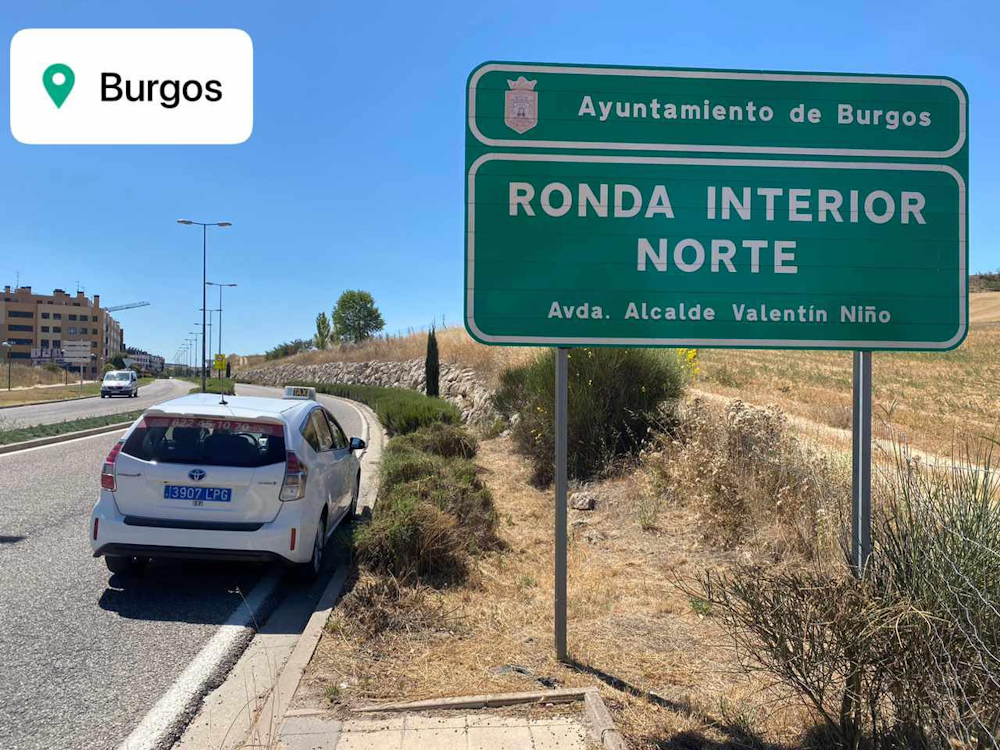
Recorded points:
(931, 398)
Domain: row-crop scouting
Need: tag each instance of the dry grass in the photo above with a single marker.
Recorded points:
(455, 346)
(23, 376)
(660, 662)
(931, 398)
(984, 307)
(45, 394)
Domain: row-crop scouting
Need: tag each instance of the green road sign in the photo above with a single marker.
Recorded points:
(715, 111)
(798, 234)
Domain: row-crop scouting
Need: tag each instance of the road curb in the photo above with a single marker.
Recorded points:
(64, 437)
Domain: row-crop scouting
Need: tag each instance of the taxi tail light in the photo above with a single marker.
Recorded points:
(296, 473)
(108, 480)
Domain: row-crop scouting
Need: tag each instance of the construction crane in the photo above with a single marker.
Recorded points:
(129, 306)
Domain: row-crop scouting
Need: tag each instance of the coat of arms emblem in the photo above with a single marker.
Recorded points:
(521, 110)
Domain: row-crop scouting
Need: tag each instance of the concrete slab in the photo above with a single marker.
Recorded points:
(309, 733)
(383, 723)
(438, 739)
(558, 736)
(442, 732)
(415, 722)
(517, 736)
(387, 739)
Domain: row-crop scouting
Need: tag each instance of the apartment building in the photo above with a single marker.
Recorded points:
(37, 325)
(144, 361)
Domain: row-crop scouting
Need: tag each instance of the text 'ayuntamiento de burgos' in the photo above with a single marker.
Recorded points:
(624, 201)
(707, 111)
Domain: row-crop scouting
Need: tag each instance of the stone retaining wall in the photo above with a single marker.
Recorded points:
(458, 385)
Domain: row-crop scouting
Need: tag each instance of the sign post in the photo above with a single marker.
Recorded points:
(657, 207)
(562, 438)
(77, 353)
(861, 463)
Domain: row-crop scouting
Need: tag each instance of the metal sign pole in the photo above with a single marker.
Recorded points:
(861, 464)
(561, 408)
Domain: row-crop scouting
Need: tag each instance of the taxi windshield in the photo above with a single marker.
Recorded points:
(116, 376)
(211, 442)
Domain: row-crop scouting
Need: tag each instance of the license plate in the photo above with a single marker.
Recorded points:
(213, 494)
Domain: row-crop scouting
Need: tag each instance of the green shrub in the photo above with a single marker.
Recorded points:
(446, 440)
(909, 656)
(410, 538)
(400, 411)
(432, 365)
(432, 510)
(450, 484)
(615, 398)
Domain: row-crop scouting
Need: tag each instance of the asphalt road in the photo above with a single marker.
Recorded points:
(84, 655)
(61, 411)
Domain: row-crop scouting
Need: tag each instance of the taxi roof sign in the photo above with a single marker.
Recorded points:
(300, 392)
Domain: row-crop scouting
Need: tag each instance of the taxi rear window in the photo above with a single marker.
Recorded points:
(210, 442)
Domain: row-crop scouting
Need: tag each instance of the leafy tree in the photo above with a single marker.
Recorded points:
(322, 337)
(118, 361)
(432, 367)
(355, 317)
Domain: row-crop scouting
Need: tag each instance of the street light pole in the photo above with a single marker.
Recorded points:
(212, 283)
(194, 343)
(204, 277)
(209, 340)
(194, 348)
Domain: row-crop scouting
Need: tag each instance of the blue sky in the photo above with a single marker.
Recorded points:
(353, 175)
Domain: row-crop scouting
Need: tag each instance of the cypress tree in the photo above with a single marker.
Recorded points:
(432, 368)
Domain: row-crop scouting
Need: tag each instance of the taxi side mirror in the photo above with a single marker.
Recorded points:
(357, 444)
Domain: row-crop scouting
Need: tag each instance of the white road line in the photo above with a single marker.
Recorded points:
(169, 715)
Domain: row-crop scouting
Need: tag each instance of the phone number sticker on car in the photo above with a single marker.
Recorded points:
(223, 425)
(212, 494)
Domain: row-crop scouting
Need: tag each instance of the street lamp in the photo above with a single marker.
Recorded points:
(194, 348)
(7, 345)
(212, 283)
(204, 277)
(209, 324)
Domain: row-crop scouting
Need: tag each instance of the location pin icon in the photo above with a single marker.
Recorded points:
(58, 80)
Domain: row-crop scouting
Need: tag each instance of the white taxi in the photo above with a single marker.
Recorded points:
(237, 478)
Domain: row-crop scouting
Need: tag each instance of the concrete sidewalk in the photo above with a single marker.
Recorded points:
(476, 731)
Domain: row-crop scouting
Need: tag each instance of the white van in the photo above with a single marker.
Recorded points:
(120, 383)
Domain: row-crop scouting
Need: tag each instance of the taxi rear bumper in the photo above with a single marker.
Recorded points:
(112, 533)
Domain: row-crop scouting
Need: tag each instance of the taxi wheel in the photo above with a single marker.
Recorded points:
(123, 565)
(354, 497)
(309, 571)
